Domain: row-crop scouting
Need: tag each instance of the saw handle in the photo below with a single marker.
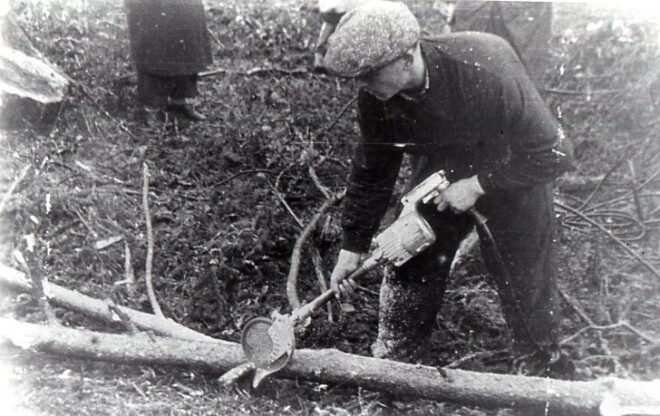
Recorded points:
(307, 310)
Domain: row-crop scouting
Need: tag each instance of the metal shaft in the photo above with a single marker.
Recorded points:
(311, 307)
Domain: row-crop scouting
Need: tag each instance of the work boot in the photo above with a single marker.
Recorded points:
(185, 108)
(549, 363)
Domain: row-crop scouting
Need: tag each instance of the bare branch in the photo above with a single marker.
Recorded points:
(292, 279)
(150, 242)
(315, 179)
(280, 197)
(612, 236)
(254, 71)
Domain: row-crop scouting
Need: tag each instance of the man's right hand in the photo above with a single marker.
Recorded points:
(347, 263)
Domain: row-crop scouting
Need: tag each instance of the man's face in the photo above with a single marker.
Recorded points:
(387, 81)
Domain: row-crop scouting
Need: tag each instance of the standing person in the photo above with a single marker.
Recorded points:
(169, 46)
(527, 26)
(463, 103)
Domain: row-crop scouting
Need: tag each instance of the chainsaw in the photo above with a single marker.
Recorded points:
(269, 343)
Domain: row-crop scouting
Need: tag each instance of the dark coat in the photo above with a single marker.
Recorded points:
(481, 115)
(526, 26)
(168, 37)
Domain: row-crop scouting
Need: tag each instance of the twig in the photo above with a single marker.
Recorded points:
(292, 279)
(12, 188)
(648, 180)
(612, 236)
(123, 317)
(279, 196)
(472, 356)
(617, 325)
(602, 343)
(243, 172)
(368, 291)
(103, 110)
(639, 333)
(600, 184)
(321, 132)
(638, 204)
(575, 307)
(585, 93)
(129, 275)
(215, 38)
(150, 242)
(85, 223)
(232, 376)
(253, 71)
(139, 390)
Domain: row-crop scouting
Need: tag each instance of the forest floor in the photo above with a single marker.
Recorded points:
(226, 197)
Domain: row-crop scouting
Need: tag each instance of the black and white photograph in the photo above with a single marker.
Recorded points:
(329, 207)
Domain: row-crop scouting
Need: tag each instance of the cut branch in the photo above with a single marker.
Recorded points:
(15, 280)
(531, 394)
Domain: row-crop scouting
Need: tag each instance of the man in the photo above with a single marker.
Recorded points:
(527, 26)
(169, 46)
(465, 104)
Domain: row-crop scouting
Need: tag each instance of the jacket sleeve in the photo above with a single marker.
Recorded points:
(538, 148)
(375, 168)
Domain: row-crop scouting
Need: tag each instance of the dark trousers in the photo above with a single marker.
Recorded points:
(154, 90)
(523, 228)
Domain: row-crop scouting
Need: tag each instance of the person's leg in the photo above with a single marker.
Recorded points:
(152, 90)
(152, 95)
(182, 90)
(523, 230)
(411, 295)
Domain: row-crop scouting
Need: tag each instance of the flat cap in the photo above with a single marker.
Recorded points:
(369, 37)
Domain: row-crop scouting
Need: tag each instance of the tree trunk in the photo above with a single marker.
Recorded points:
(545, 396)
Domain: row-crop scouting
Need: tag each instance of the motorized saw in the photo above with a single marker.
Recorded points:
(269, 343)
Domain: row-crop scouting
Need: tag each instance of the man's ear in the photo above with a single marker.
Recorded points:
(408, 58)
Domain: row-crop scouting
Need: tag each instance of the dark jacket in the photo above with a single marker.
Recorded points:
(527, 26)
(168, 37)
(480, 115)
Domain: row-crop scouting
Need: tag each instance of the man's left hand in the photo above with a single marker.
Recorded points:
(460, 196)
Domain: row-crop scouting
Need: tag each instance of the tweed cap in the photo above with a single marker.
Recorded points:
(369, 37)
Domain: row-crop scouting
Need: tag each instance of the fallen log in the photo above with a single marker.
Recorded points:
(545, 396)
(70, 299)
